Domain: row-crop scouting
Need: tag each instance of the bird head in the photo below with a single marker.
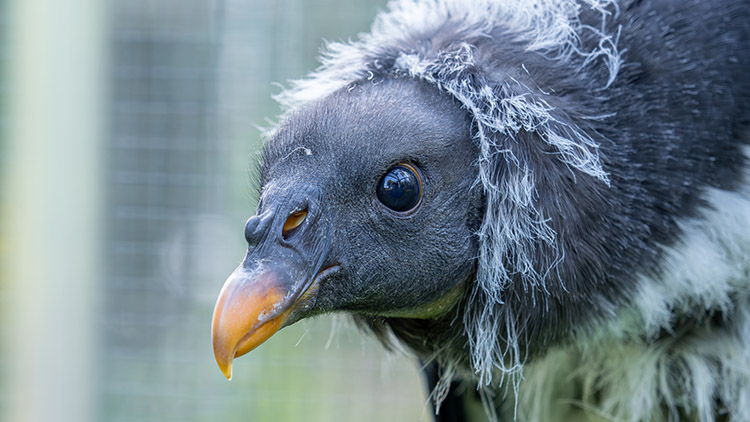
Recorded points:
(424, 171)
(368, 205)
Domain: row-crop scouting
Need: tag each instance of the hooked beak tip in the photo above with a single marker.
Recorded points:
(223, 351)
(238, 325)
(229, 347)
(253, 306)
(227, 370)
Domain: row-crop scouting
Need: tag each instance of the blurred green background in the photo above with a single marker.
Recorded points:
(127, 133)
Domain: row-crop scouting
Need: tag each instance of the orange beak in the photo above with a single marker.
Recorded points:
(260, 296)
(252, 306)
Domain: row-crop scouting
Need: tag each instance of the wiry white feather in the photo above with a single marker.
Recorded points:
(546, 26)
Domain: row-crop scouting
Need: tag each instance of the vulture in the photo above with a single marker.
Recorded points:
(546, 201)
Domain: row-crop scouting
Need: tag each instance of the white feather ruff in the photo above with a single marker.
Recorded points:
(549, 27)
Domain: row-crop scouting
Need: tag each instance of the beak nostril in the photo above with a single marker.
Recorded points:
(294, 221)
(252, 232)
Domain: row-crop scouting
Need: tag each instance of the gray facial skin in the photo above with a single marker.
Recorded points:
(391, 263)
(321, 240)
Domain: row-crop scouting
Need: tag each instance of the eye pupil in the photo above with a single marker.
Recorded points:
(399, 189)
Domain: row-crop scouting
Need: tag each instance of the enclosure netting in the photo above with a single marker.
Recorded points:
(189, 80)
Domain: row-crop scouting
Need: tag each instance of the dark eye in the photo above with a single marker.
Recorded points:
(400, 188)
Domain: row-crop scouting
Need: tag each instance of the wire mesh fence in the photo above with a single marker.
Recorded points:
(187, 81)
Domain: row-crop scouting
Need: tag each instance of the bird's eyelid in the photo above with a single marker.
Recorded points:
(415, 168)
(412, 164)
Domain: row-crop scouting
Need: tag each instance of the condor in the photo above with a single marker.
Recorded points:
(548, 201)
